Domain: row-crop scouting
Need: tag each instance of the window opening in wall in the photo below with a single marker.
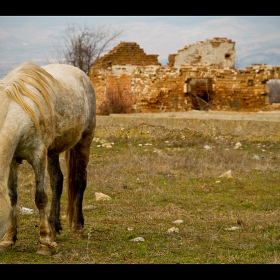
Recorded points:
(250, 82)
(227, 55)
(274, 91)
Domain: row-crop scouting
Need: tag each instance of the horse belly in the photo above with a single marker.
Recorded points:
(65, 141)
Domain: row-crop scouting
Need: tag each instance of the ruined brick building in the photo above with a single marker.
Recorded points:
(200, 76)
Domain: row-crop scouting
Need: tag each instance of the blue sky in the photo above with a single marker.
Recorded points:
(32, 38)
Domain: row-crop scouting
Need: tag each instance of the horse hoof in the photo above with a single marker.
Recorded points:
(46, 250)
(6, 247)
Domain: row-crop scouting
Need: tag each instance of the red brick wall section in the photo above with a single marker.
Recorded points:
(126, 53)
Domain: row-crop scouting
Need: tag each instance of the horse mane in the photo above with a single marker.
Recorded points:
(15, 85)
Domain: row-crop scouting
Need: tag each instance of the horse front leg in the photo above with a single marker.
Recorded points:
(47, 244)
(10, 237)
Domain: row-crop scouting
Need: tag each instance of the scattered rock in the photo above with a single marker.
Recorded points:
(89, 207)
(173, 229)
(227, 174)
(256, 157)
(232, 228)
(106, 145)
(138, 239)
(237, 145)
(26, 211)
(101, 196)
(178, 222)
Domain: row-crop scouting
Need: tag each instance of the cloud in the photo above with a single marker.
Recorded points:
(164, 38)
(32, 38)
(276, 51)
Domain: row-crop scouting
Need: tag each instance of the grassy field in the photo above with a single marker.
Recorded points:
(170, 194)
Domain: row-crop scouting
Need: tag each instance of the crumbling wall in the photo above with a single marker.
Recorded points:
(167, 89)
(233, 89)
(219, 52)
(150, 87)
(158, 89)
(126, 53)
(112, 72)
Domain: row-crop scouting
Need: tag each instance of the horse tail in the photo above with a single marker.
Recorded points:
(71, 183)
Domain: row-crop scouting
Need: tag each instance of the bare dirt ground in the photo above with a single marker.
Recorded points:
(223, 115)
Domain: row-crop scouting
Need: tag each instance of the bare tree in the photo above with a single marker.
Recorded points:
(84, 45)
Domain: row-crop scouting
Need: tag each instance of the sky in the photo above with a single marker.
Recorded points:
(32, 38)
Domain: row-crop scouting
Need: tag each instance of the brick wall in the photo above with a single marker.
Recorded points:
(244, 90)
(127, 53)
(150, 87)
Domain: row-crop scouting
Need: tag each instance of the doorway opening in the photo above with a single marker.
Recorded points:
(273, 91)
(201, 93)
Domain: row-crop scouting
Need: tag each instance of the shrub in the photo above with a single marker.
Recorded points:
(116, 102)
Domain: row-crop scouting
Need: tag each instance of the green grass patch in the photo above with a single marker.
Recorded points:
(151, 185)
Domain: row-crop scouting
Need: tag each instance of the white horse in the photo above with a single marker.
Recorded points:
(45, 111)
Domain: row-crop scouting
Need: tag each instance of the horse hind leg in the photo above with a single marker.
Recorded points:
(56, 183)
(10, 237)
(77, 159)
